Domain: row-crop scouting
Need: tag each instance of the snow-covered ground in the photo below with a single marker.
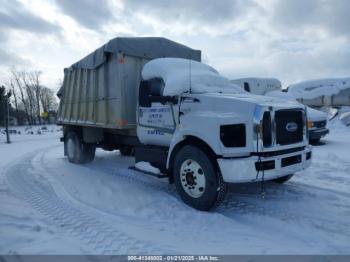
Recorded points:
(50, 206)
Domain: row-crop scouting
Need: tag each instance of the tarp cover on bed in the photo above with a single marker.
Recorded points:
(144, 47)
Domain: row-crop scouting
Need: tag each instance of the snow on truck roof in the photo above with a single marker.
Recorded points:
(316, 88)
(181, 75)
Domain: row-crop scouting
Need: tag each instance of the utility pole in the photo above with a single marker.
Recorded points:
(7, 101)
(4, 111)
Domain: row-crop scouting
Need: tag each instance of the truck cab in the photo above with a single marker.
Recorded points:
(203, 130)
(317, 120)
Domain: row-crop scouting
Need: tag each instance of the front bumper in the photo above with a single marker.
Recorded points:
(243, 170)
(315, 134)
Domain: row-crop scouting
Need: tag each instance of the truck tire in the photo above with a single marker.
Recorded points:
(126, 151)
(197, 180)
(315, 141)
(78, 152)
(283, 179)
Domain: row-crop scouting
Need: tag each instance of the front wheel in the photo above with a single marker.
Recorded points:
(197, 180)
(283, 179)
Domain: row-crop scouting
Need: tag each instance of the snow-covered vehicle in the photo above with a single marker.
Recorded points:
(334, 92)
(197, 128)
(258, 85)
(317, 125)
(317, 120)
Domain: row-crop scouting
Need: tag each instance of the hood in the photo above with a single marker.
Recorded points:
(316, 115)
(251, 99)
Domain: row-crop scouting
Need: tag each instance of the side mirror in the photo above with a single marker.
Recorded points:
(144, 92)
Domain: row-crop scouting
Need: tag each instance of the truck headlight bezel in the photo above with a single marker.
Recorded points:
(233, 135)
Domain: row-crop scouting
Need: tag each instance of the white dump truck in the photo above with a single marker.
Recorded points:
(317, 120)
(181, 116)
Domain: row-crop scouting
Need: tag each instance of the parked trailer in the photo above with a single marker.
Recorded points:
(198, 129)
(333, 92)
(258, 85)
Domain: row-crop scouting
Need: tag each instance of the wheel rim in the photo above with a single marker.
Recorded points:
(70, 148)
(192, 178)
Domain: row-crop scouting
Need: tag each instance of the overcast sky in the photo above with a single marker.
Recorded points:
(292, 40)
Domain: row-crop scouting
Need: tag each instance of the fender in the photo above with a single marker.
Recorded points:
(180, 135)
(205, 126)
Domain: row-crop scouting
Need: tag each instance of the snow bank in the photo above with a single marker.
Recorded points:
(339, 118)
(181, 74)
(344, 115)
(345, 118)
(317, 88)
(147, 167)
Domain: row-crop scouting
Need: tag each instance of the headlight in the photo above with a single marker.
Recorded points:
(310, 124)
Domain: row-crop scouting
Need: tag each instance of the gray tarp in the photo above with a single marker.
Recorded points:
(101, 90)
(144, 47)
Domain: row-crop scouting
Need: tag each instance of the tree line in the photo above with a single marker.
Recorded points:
(31, 102)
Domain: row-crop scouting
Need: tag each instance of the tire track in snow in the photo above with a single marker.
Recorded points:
(237, 203)
(101, 237)
(253, 204)
(104, 240)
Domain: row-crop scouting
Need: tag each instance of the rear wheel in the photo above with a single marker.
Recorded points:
(78, 152)
(283, 179)
(197, 180)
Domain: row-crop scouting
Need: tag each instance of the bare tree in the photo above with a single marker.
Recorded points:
(47, 98)
(16, 79)
(34, 77)
(25, 76)
(29, 87)
(14, 93)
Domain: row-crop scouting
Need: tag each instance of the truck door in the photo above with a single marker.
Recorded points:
(156, 118)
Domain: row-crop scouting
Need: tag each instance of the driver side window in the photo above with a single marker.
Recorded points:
(149, 88)
(152, 91)
(156, 86)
